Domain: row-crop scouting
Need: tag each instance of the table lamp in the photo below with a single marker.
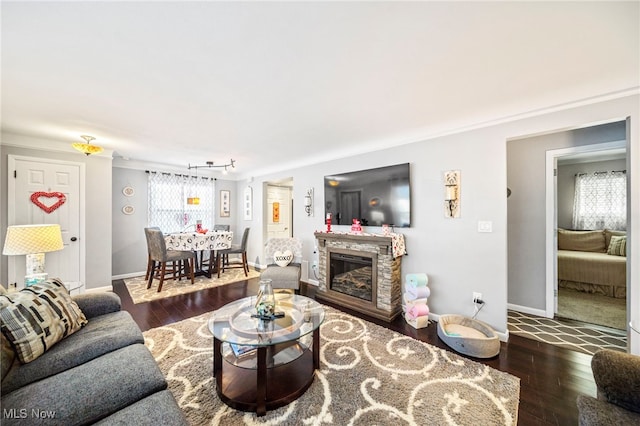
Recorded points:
(33, 241)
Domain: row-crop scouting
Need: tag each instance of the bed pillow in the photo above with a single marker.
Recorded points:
(608, 233)
(283, 258)
(618, 246)
(592, 241)
(37, 317)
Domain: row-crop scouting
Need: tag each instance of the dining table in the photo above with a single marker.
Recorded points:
(200, 243)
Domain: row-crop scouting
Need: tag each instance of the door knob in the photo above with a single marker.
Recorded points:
(74, 239)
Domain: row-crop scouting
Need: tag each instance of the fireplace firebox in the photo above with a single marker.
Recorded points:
(352, 274)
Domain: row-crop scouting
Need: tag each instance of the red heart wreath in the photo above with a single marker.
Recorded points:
(35, 199)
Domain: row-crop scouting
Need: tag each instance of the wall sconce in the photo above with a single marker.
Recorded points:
(308, 202)
(452, 193)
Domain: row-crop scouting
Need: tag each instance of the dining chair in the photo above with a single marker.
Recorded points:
(212, 260)
(150, 263)
(240, 250)
(158, 253)
(287, 276)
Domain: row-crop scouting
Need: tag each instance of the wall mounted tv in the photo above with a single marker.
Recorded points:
(376, 196)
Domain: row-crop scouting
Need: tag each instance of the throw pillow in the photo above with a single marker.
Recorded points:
(283, 258)
(618, 246)
(37, 317)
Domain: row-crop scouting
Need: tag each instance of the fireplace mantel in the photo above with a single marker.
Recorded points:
(383, 241)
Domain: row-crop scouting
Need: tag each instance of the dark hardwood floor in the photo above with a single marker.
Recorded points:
(550, 377)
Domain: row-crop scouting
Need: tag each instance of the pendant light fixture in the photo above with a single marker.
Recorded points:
(86, 147)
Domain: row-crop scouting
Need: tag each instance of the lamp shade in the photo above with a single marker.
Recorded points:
(29, 239)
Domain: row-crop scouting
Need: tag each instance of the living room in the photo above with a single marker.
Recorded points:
(471, 138)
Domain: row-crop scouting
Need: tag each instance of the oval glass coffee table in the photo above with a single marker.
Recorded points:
(260, 364)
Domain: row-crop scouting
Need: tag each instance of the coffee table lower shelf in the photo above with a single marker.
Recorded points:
(264, 388)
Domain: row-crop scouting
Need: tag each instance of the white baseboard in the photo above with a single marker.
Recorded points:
(527, 310)
(98, 289)
(130, 275)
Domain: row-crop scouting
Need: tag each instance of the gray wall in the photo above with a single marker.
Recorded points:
(567, 185)
(526, 160)
(97, 197)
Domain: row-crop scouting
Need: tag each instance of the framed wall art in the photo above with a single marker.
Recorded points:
(225, 203)
(247, 203)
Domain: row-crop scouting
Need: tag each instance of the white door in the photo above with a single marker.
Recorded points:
(279, 211)
(28, 175)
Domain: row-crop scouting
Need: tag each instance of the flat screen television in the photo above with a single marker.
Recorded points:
(375, 196)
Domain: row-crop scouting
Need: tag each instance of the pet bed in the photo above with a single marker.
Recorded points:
(468, 336)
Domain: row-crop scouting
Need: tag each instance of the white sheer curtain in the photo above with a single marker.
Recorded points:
(600, 201)
(168, 208)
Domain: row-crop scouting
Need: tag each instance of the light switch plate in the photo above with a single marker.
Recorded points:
(485, 226)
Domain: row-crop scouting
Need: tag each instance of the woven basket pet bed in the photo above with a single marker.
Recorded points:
(468, 336)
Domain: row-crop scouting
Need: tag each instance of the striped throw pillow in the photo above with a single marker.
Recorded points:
(37, 317)
(618, 246)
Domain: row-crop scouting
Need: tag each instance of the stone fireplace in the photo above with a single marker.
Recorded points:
(359, 272)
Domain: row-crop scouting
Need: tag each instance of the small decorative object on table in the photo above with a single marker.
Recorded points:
(328, 222)
(356, 228)
(266, 301)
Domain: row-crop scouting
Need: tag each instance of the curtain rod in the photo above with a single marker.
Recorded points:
(601, 173)
(181, 175)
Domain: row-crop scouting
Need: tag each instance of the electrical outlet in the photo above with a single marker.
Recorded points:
(476, 296)
(315, 264)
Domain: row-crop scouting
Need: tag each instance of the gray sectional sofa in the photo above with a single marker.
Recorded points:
(102, 374)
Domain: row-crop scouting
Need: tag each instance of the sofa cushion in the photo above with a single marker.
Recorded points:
(592, 241)
(595, 412)
(96, 304)
(618, 246)
(91, 391)
(101, 335)
(7, 356)
(157, 409)
(37, 317)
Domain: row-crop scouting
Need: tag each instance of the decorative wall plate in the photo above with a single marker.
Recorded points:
(128, 210)
(128, 191)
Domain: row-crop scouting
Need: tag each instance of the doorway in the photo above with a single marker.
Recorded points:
(583, 299)
(279, 208)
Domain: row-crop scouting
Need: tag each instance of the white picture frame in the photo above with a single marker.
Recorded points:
(247, 203)
(225, 203)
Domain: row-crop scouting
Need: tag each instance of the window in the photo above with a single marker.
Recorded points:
(600, 201)
(168, 208)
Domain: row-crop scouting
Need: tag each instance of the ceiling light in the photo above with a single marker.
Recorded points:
(87, 148)
(210, 165)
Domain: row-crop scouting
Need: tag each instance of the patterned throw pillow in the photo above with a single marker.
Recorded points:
(618, 246)
(37, 317)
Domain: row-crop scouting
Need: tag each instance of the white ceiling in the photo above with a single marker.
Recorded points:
(274, 85)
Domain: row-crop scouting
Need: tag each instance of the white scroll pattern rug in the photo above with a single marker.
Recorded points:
(368, 375)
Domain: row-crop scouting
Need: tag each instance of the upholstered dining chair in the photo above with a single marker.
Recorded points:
(150, 263)
(223, 256)
(211, 261)
(158, 253)
(288, 275)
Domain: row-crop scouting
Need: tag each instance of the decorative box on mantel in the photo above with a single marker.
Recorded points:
(361, 272)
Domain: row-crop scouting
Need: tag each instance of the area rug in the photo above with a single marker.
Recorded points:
(592, 308)
(567, 334)
(137, 286)
(368, 375)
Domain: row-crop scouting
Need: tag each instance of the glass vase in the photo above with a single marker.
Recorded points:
(266, 301)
